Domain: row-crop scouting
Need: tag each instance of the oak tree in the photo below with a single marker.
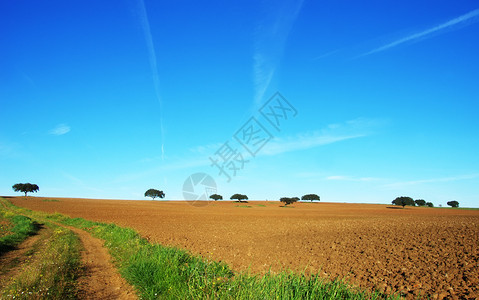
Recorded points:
(25, 188)
(153, 193)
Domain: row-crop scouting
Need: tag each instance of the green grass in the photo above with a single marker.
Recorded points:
(171, 273)
(51, 200)
(244, 206)
(261, 205)
(52, 271)
(19, 228)
(52, 264)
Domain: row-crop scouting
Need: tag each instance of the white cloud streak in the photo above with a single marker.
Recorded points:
(60, 129)
(466, 19)
(332, 133)
(199, 156)
(349, 178)
(272, 34)
(79, 182)
(304, 141)
(432, 180)
(145, 24)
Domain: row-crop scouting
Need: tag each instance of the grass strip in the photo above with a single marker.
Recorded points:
(53, 267)
(171, 273)
(20, 228)
(52, 272)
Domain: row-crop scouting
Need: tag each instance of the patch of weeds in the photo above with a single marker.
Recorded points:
(51, 200)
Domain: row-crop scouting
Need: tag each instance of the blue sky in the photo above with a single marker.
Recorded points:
(107, 99)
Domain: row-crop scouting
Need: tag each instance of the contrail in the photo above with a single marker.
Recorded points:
(154, 67)
(269, 46)
(470, 16)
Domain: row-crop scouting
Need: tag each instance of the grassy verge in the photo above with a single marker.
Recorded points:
(17, 230)
(52, 266)
(52, 272)
(170, 273)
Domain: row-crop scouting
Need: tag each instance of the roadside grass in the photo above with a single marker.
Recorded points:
(18, 228)
(51, 268)
(171, 273)
(52, 271)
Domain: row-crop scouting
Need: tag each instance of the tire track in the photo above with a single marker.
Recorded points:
(11, 262)
(101, 279)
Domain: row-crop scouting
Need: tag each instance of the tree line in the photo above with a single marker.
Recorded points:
(403, 201)
(154, 193)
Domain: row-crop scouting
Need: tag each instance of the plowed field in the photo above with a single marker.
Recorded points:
(416, 251)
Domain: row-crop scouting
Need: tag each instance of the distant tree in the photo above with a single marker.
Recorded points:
(310, 197)
(239, 197)
(25, 188)
(403, 201)
(154, 193)
(453, 203)
(420, 202)
(287, 200)
(216, 197)
(429, 204)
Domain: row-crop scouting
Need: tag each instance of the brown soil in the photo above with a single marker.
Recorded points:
(101, 279)
(415, 251)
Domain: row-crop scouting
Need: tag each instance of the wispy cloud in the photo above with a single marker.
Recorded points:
(432, 180)
(271, 36)
(350, 178)
(330, 134)
(206, 149)
(7, 150)
(327, 54)
(78, 182)
(145, 23)
(60, 129)
(199, 156)
(303, 141)
(464, 20)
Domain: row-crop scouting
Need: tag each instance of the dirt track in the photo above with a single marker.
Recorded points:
(417, 251)
(101, 279)
(12, 261)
